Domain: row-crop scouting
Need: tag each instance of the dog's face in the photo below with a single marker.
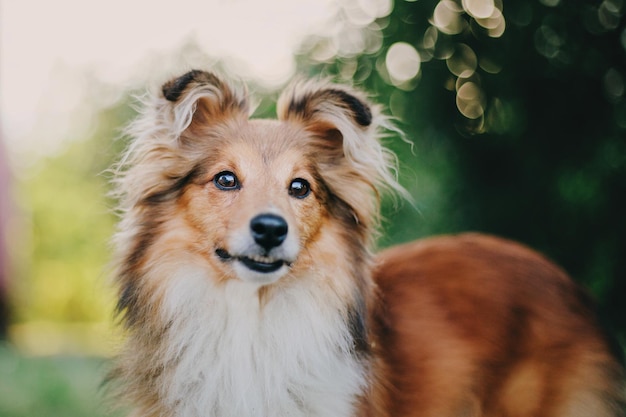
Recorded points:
(256, 200)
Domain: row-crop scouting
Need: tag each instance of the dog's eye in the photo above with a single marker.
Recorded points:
(226, 180)
(299, 188)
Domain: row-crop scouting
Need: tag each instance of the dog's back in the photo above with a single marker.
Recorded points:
(479, 326)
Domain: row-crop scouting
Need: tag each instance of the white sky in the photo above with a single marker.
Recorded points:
(47, 47)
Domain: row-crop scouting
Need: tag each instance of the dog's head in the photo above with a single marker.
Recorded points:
(255, 199)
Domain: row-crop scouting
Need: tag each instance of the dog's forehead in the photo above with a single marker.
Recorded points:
(268, 138)
(271, 130)
(262, 143)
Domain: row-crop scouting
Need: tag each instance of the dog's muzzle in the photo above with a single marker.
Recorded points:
(268, 231)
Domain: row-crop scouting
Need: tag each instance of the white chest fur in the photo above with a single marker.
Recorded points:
(227, 355)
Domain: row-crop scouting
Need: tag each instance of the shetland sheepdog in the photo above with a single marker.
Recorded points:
(248, 285)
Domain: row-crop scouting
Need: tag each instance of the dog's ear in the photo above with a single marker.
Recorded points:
(162, 155)
(321, 103)
(331, 111)
(345, 135)
(200, 98)
(341, 121)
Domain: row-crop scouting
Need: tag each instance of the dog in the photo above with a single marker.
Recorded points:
(248, 285)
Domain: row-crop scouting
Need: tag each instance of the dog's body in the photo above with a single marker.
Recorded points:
(248, 288)
(502, 332)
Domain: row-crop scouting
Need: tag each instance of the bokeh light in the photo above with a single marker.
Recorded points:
(463, 62)
(447, 18)
(610, 14)
(613, 85)
(403, 63)
(479, 9)
(457, 21)
(470, 100)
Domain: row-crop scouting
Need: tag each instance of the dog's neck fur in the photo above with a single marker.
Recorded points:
(228, 352)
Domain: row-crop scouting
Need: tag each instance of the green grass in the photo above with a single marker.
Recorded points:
(51, 386)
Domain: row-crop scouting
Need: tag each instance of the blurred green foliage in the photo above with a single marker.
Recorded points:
(62, 275)
(69, 241)
(61, 295)
(50, 386)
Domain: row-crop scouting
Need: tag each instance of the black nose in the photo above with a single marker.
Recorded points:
(268, 230)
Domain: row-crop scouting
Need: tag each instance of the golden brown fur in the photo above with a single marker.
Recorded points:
(502, 332)
(246, 287)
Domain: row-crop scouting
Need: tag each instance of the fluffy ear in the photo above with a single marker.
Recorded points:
(200, 98)
(346, 133)
(313, 101)
(172, 123)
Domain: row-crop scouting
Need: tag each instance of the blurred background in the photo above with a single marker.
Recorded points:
(516, 111)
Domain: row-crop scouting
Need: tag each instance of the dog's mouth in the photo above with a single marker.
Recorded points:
(263, 264)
